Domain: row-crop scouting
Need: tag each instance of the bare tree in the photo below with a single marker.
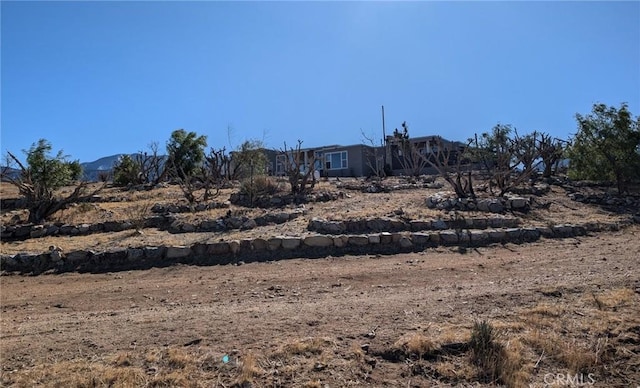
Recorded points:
(374, 156)
(551, 151)
(407, 152)
(299, 172)
(152, 167)
(508, 161)
(453, 166)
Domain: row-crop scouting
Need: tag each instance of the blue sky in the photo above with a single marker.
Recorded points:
(100, 78)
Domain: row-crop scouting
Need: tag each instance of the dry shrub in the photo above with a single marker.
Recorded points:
(543, 315)
(178, 358)
(515, 369)
(496, 362)
(313, 384)
(449, 334)
(573, 356)
(173, 379)
(546, 309)
(78, 213)
(357, 352)
(416, 344)
(259, 185)
(153, 356)
(123, 359)
(613, 299)
(248, 370)
(306, 347)
(139, 213)
(78, 373)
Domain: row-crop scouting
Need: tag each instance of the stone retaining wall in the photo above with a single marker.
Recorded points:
(371, 225)
(448, 201)
(165, 222)
(280, 247)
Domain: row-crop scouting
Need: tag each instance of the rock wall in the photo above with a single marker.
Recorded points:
(372, 225)
(278, 248)
(165, 222)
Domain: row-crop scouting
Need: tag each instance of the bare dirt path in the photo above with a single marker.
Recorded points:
(297, 322)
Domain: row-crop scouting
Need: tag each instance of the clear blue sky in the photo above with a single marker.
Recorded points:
(100, 78)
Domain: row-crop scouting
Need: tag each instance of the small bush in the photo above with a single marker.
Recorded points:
(486, 352)
(258, 186)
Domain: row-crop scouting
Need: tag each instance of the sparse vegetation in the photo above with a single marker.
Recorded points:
(606, 146)
(41, 178)
(507, 158)
(589, 328)
(185, 153)
(299, 168)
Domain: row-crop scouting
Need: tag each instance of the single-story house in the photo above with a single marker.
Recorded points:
(331, 161)
(360, 160)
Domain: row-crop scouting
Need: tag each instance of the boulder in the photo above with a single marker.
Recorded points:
(478, 236)
(420, 238)
(405, 242)
(340, 241)
(234, 247)
(220, 248)
(274, 243)
(374, 239)
(449, 237)
(291, 243)
(358, 240)
(318, 241)
(259, 244)
(177, 252)
(249, 224)
(385, 238)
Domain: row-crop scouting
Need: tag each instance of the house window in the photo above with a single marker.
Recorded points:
(336, 160)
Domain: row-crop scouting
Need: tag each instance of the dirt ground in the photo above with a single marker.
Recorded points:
(561, 312)
(350, 321)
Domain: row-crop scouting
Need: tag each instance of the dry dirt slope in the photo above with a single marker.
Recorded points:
(562, 307)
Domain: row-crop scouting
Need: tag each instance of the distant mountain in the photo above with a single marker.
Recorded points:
(92, 170)
(104, 165)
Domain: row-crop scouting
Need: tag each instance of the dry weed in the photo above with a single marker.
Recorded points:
(415, 344)
(248, 370)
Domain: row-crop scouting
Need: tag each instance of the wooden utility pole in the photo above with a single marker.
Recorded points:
(384, 139)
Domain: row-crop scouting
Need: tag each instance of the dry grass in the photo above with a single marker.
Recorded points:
(416, 344)
(305, 347)
(81, 373)
(613, 299)
(575, 357)
(248, 370)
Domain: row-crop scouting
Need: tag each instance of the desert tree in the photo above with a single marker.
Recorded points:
(300, 172)
(142, 168)
(126, 171)
(526, 150)
(507, 158)
(153, 168)
(606, 146)
(551, 151)
(407, 152)
(374, 156)
(450, 160)
(249, 159)
(39, 179)
(185, 153)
